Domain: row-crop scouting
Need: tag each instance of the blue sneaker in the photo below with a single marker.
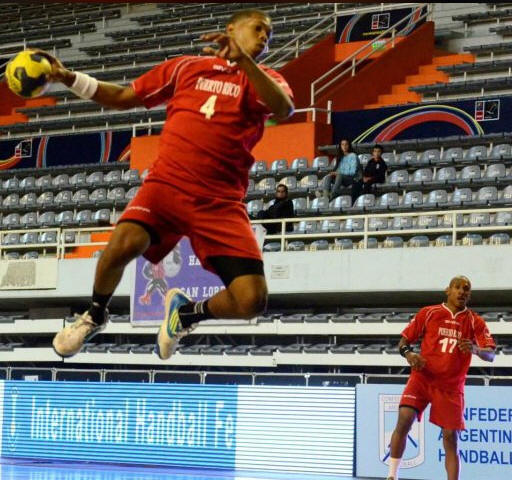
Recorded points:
(171, 330)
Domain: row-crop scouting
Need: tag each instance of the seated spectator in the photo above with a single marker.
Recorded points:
(375, 170)
(281, 208)
(347, 173)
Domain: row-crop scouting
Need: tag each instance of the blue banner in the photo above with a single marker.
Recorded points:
(286, 429)
(485, 446)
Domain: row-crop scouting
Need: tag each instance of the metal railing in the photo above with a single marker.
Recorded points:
(352, 62)
(454, 224)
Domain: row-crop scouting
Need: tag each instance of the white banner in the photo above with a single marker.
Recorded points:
(28, 274)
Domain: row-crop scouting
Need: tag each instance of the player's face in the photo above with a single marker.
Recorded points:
(280, 193)
(252, 34)
(459, 293)
(376, 152)
(344, 146)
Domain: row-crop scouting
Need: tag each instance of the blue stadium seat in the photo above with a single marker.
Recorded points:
(131, 193)
(481, 219)
(427, 221)
(339, 204)
(11, 221)
(300, 205)
(318, 205)
(409, 157)
(272, 247)
(354, 225)
(28, 200)
(363, 203)
(65, 218)
(307, 226)
(280, 167)
(431, 156)
(471, 239)
(29, 238)
(258, 168)
(495, 171)
(461, 196)
(503, 150)
(11, 201)
(437, 198)
(330, 226)
(290, 182)
(412, 199)
(29, 220)
(48, 237)
(64, 198)
(61, 181)
(503, 218)
(114, 178)
(11, 239)
(45, 199)
(44, 182)
(296, 246)
(399, 176)
(446, 175)
(454, 154)
(254, 206)
(321, 244)
(131, 176)
(470, 172)
(47, 219)
(387, 201)
(422, 175)
(28, 183)
(499, 239)
(476, 152)
(393, 242)
(419, 241)
(402, 223)
(12, 184)
(309, 183)
(79, 180)
(343, 244)
(84, 217)
(322, 163)
(377, 223)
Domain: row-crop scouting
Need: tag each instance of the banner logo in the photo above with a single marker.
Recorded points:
(414, 454)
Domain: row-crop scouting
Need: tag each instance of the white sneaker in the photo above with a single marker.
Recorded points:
(70, 339)
(171, 330)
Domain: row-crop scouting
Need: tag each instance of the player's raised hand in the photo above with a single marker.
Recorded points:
(228, 47)
(416, 361)
(465, 345)
(59, 72)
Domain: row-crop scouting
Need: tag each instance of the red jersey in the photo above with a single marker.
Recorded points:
(446, 366)
(214, 119)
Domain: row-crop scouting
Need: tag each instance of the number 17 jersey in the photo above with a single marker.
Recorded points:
(214, 119)
(440, 330)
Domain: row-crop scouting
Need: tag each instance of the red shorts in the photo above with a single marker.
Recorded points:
(446, 409)
(214, 226)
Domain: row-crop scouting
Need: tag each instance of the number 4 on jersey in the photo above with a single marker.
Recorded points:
(208, 107)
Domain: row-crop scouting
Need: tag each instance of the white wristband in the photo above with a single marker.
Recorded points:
(84, 86)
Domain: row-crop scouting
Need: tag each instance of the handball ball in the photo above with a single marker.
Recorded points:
(27, 74)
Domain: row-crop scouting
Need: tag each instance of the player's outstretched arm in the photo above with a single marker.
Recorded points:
(107, 94)
(268, 89)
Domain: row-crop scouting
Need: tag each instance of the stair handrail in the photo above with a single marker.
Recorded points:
(352, 59)
(283, 49)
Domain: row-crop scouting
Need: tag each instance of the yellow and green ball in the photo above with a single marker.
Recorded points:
(27, 74)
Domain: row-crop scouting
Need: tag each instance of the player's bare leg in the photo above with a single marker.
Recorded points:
(128, 241)
(244, 297)
(452, 462)
(406, 417)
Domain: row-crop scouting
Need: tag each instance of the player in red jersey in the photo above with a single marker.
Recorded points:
(450, 333)
(216, 109)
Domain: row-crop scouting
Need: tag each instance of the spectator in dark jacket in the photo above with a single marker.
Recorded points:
(375, 170)
(281, 208)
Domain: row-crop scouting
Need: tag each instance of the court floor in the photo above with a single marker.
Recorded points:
(42, 470)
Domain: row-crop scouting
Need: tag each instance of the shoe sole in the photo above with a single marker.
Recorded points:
(164, 325)
(86, 339)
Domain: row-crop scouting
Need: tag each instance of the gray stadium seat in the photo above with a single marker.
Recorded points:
(114, 177)
(308, 183)
(495, 170)
(319, 245)
(84, 217)
(11, 201)
(472, 239)
(321, 163)
(364, 202)
(503, 218)
(354, 225)
(29, 220)
(11, 239)
(131, 193)
(454, 154)
(446, 174)
(432, 156)
(257, 168)
(371, 242)
(12, 255)
(403, 317)
(11, 221)
(364, 158)
(437, 198)
(44, 182)
(102, 217)
(290, 182)
(79, 179)
(330, 226)
(476, 152)
(499, 239)
(422, 175)
(280, 166)
(45, 199)
(318, 205)
(46, 219)
(98, 195)
(388, 200)
(48, 237)
(65, 197)
(343, 244)
(481, 219)
(250, 185)
(69, 237)
(267, 185)
(419, 241)
(371, 318)
(339, 204)
(503, 150)
(399, 176)
(307, 226)
(293, 318)
(390, 159)
(254, 206)
(29, 200)
(30, 255)
(296, 246)
(11, 184)
(95, 179)
(28, 183)
(300, 165)
(373, 348)
(393, 242)
(322, 348)
(377, 223)
(486, 195)
(345, 318)
(240, 350)
(65, 218)
(131, 176)
(461, 195)
(29, 238)
(470, 172)
(402, 223)
(412, 199)
(81, 197)
(410, 157)
(318, 318)
(61, 181)
(427, 221)
(299, 205)
(272, 247)
(265, 350)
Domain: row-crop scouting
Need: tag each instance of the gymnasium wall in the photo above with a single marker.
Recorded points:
(288, 429)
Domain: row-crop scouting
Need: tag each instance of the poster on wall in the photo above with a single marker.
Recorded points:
(440, 119)
(484, 447)
(365, 26)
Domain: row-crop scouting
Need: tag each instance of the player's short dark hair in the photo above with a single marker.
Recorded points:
(379, 147)
(246, 13)
(283, 186)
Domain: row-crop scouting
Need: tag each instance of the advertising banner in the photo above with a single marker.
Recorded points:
(288, 429)
(365, 26)
(485, 446)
